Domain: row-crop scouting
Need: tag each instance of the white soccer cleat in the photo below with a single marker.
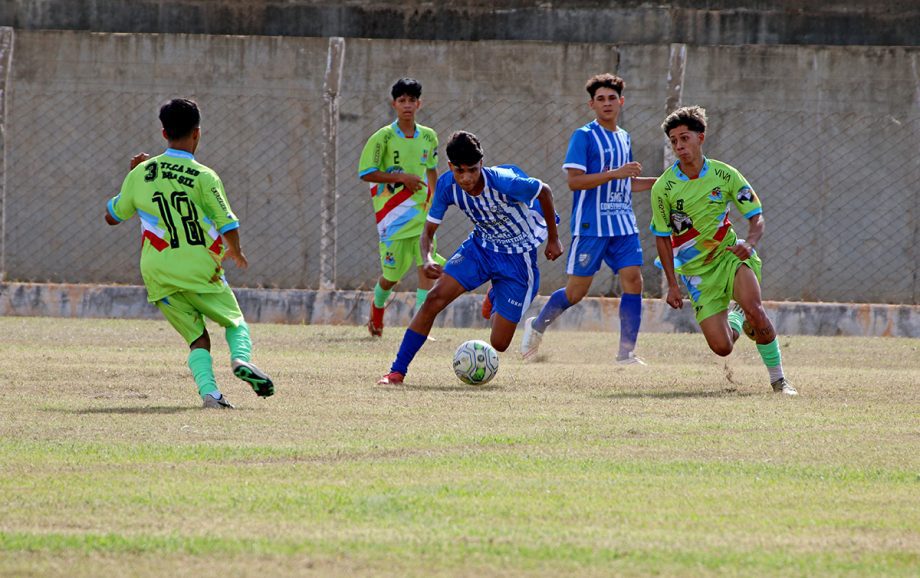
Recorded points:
(630, 359)
(783, 386)
(530, 345)
(210, 402)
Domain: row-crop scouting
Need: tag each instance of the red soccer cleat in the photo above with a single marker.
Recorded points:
(392, 378)
(487, 305)
(375, 323)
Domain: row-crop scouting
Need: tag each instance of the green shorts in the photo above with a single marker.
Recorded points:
(186, 311)
(711, 290)
(401, 254)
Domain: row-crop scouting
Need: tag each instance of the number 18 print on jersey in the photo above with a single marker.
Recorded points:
(183, 212)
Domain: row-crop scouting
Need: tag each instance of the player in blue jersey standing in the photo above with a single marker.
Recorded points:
(501, 201)
(602, 174)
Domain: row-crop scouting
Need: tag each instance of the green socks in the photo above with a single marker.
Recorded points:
(380, 296)
(772, 359)
(736, 320)
(199, 361)
(239, 342)
(420, 296)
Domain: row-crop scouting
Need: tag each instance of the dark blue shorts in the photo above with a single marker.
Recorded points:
(587, 253)
(515, 278)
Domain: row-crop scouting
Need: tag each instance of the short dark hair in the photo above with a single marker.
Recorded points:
(180, 117)
(693, 117)
(606, 80)
(408, 86)
(463, 148)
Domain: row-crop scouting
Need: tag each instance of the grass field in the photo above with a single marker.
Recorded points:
(567, 467)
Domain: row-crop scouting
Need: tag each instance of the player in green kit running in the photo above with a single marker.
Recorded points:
(185, 220)
(400, 162)
(695, 239)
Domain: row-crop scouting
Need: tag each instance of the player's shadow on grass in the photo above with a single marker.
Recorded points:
(458, 387)
(727, 392)
(157, 409)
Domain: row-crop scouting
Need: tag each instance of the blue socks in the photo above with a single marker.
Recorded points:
(410, 345)
(557, 303)
(630, 320)
(630, 317)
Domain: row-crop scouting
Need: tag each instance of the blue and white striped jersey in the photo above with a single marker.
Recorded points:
(604, 211)
(506, 216)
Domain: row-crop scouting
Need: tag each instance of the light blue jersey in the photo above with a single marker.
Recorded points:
(505, 216)
(606, 210)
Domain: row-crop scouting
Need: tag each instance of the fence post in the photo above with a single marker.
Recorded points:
(331, 85)
(676, 66)
(6, 61)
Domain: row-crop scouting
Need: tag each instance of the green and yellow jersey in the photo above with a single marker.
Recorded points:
(400, 213)
(183, 212)
(694, 212)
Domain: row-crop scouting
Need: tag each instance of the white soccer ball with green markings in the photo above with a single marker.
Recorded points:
(475, 362)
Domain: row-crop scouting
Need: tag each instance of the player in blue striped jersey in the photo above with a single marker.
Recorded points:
(602, 175)
(508, 228)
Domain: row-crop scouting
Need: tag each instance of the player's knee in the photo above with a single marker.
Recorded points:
(500, 344)
(758, 318)
(722, 349)
(575, 295)
(203, 342)
(434, 303)
(631, 280)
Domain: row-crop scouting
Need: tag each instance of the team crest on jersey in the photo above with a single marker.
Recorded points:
(680, 222)
(389, 260)
(715, 195)
(424, 160)
(746, 195)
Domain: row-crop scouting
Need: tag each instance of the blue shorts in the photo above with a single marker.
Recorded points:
(587, 253)
(515, 278)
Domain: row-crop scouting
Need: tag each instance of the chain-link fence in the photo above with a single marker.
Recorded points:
(841, 216)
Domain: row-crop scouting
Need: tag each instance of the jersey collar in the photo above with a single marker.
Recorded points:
(600, 126)
(399, 131)
(680, 174)
(178, 153)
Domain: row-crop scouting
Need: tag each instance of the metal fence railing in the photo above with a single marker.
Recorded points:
(837, 189)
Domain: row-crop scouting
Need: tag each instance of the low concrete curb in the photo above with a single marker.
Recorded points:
(351, 308)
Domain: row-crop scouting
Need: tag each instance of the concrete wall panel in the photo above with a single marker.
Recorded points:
(827, 136)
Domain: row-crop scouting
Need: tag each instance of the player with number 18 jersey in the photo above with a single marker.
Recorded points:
(187, 228)
(183, 212)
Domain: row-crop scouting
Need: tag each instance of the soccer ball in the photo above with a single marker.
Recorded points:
(475, 362)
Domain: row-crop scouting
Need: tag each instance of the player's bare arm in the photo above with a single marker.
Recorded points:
(138, 159)
(578, 180)
(666, 255)
(135, 160)
(743, 249)
(553, 244)
(414, 182)
(431, 268)
(234, 251)
(640, 184)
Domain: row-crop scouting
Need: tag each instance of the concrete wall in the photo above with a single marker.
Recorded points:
(826, 135)
(699, 22)
(350, 308)
(81, 104)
